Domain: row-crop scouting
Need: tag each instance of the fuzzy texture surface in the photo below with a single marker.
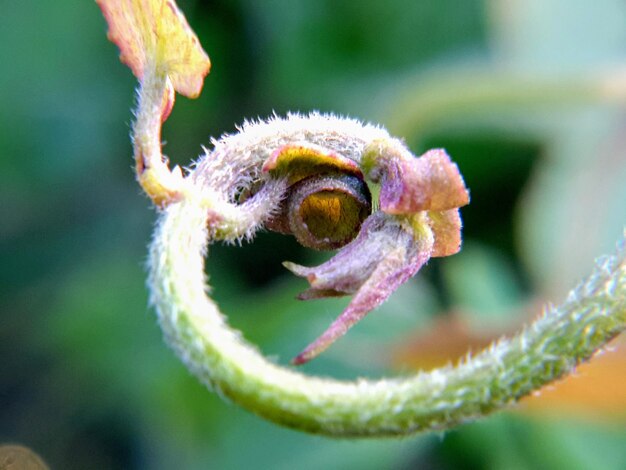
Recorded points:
(206, 209)
(418, 205)
(194, 327)
(228, 196)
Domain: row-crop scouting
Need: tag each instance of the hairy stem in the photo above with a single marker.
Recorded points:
(548, 349)
(154, 101)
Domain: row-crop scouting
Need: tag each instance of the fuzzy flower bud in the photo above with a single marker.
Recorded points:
(418, 219)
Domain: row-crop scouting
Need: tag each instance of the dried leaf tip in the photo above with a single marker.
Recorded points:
(155, 34)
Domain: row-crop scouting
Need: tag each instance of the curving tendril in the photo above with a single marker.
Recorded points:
(310, 176)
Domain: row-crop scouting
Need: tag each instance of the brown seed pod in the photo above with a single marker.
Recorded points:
(326, 213)
(327, 200)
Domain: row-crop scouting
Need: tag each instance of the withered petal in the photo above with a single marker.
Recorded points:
(303, 159)
(408, 184)
(446, 227)
(346, 271)
(387, 253)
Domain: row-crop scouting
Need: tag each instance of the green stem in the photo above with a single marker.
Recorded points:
(548, 349)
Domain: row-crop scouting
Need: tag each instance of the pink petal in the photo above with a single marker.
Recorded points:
(446, 227)
(346, 272)
(385, 255)
(430, 182)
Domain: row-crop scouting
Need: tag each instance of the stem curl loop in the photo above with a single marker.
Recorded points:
(239, 186)
(548, 349)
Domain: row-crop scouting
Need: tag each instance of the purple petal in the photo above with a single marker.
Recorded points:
(345, 272)
(431, 182)
(386, 254)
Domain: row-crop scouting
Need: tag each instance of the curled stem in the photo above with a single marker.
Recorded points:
(548, 349)
(154, 101)
(238, 187)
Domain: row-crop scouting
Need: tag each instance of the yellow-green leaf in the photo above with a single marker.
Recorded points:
(154, 33)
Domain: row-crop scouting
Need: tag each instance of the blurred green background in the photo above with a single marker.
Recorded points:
(526, 95)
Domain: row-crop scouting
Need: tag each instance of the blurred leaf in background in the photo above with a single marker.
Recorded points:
(85, 378)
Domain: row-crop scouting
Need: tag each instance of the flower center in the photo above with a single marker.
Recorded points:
(326, 213)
